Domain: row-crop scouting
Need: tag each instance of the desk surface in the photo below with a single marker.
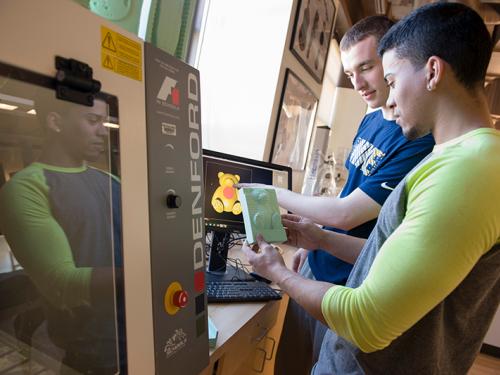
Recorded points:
(229, 318)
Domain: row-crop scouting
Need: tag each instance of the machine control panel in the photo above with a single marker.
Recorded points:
(176, 215)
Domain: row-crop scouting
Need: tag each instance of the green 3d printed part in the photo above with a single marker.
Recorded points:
(261, 215)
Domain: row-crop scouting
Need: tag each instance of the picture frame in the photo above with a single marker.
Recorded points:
(311, 36)
(295, 123)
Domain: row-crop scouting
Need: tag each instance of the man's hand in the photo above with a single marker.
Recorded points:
(302, 232)
(299, 258)
(267, 262)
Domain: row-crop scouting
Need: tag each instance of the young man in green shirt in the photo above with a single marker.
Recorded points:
(426, 283)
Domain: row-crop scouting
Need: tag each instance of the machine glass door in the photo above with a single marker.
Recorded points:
(61, 292)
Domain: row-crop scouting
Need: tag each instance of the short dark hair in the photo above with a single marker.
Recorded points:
(451, 31)
(375, 26)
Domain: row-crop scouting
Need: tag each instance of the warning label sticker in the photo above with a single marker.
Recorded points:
(121, 54)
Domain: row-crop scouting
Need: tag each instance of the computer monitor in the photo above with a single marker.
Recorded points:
(223, 215)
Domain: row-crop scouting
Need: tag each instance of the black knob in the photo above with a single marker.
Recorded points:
(174, 201)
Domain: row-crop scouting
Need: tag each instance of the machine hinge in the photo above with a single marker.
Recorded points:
(74, 81)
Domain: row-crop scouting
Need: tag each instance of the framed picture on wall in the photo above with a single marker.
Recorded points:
(312, 33)
(295, 123)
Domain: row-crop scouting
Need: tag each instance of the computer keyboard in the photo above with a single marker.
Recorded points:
(240, 291)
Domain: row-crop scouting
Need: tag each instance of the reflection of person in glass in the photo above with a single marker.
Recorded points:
(61, 219)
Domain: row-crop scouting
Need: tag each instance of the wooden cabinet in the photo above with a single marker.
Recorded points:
(246, 353)
(248, 335)
(243, 352)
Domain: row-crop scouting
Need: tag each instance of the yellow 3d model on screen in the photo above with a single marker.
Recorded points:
(225, 197)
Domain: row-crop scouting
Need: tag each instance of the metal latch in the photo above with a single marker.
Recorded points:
(74, 81)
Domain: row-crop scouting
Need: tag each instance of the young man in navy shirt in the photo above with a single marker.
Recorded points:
(380, 157)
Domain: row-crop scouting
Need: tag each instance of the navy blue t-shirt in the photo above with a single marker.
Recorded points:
(380, 157)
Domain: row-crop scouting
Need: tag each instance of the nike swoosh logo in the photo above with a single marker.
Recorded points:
(385, 186)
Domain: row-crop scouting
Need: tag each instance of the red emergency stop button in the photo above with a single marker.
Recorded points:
(180, 298)
(175, 298)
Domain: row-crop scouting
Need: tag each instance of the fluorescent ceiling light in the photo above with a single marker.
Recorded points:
(16, 99)
(111, 125)
(7, 107)
(31, 112)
